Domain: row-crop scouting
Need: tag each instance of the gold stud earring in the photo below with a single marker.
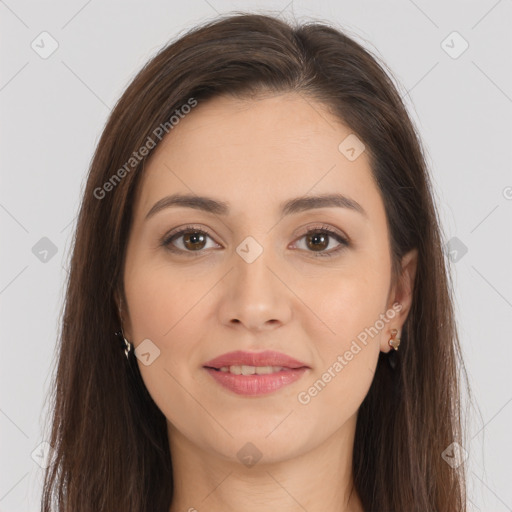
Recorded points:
(394, 342)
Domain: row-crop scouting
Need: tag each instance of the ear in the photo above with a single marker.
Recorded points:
(400, 296)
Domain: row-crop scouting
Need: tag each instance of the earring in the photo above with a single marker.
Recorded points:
(125, 344)
(393, 341)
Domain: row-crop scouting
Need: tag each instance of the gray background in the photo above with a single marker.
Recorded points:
(53, 110)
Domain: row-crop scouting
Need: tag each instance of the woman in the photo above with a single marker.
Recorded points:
(258, 314)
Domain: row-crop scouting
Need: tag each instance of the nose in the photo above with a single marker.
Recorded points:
(255, 295)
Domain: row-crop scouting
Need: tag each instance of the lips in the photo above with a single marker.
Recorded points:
(253, 374)
(266, 358)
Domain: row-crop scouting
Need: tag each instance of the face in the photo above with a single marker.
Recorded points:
(313, 283)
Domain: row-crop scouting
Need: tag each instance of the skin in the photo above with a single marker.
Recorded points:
(254, 154)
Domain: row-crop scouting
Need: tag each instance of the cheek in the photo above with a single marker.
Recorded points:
(161, 298)
(167, 308)
(349, 301)
(352, 310)
(347, 351)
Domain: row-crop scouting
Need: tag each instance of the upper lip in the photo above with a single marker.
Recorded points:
(266, 358)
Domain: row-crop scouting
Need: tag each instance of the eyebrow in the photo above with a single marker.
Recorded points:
(296, 205)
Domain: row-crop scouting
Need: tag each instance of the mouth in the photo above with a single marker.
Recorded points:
(255, 373)
(253, 370)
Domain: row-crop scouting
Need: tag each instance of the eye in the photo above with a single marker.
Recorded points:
(318, 239)
(192, 240)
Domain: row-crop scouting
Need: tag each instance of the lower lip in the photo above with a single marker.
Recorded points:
(251, 385)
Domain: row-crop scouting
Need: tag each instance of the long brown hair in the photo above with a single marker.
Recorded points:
(109, 438)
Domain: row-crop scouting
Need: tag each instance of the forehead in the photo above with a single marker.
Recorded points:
(257, 152)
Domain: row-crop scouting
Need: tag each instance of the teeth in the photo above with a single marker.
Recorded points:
(251, 370)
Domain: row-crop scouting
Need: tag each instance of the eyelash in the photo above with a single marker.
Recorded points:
(166, 240)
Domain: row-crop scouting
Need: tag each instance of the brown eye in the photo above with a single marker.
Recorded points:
(187, 240)
(319, 239)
